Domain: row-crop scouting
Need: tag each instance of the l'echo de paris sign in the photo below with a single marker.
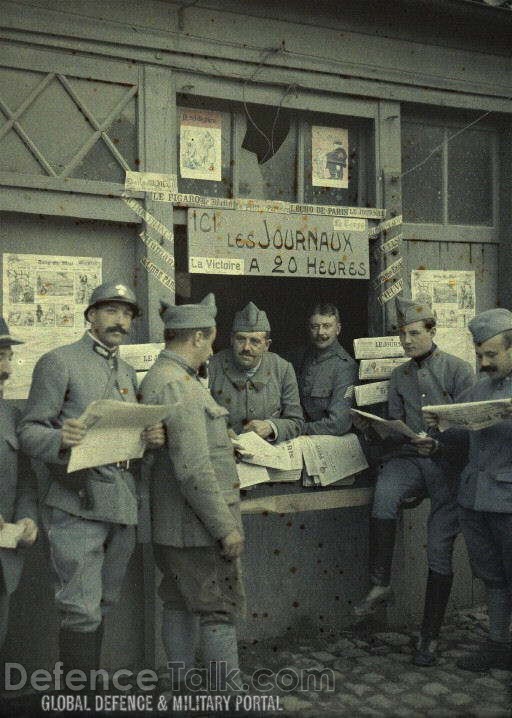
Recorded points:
(277, 245)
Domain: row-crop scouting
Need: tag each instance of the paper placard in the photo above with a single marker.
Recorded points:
(215, 265)
(140, 356)
(374, 393)
(389, 272)
(377, 347)
(350, 224)
(150, 182)
(379, 368)
(395, 289)
(392, 244)
(162, 277)
(276, 245)
(148, 218)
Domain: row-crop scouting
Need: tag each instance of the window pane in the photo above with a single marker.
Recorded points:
(422, 188)
(470, 178)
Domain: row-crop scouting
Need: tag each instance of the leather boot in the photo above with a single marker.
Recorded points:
(436, 599)
(78, 651)
(382, 545)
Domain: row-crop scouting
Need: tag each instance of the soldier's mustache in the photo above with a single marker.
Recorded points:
(117, 328)
(487, 369)
(4, 375)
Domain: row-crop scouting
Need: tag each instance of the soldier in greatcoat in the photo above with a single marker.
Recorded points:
(195, 503)
(257, 387)
(17, 493)
(90, 516)
(430, 377)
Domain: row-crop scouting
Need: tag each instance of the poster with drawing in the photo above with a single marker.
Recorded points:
(452, 295)
(200, 144)
(329, 157)
(44, 298)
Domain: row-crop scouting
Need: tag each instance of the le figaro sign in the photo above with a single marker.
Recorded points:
(273, 244)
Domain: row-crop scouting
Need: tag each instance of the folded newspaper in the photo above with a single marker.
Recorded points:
(473, 415)
(387, 427)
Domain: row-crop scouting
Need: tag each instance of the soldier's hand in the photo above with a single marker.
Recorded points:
(72, 433)
(29, 534)
(154, 436)
(232, 545)
(430, 418)
(260, 427)
(425, 445)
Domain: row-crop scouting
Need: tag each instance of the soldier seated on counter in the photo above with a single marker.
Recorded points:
(256, 386)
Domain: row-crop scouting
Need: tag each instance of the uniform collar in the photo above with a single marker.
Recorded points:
(102, 349)
(175, 357)
(419, 360)
(334, 349)
(240, 378)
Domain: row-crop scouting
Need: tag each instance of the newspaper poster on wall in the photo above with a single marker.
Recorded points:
(452, 295)
(329, 157)
(200, 144)
(44, 298)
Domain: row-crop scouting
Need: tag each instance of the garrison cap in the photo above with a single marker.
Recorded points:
(189, 316)
(408, 311)
(6, 339)
(113, 292)
(487, 324)
(250, 319)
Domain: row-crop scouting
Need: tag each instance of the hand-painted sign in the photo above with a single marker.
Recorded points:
(275, 245)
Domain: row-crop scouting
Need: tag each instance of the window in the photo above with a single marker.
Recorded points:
(455, 185)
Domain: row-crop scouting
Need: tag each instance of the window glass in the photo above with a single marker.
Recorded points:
(470, 178)
(422, 187)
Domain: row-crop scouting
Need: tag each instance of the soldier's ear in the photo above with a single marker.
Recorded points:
(338, 329)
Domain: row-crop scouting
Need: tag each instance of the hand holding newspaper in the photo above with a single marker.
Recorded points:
(472, 415)
(114, 432)
(387, 427)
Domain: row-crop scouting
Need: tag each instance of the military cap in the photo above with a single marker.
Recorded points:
(6, 339)
(250, 319)
(113, 292)
(189, 316)
(409, 311)
(487, 324)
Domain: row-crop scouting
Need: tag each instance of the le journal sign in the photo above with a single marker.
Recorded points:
(277, 245)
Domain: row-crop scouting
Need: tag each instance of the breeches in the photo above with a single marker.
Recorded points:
(200, 580)
(488, 537)
(89, 559)
(402, 478)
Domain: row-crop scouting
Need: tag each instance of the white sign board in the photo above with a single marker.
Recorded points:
(377, 347)
(379, 368)
(373, 393)
(274, 245)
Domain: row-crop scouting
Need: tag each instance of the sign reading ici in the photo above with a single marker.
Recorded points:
(276, 245)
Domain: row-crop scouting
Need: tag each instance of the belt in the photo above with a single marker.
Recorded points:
(123, 465)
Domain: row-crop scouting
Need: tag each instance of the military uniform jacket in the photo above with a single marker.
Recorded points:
(270, 394)
(486, 482)
(195, 499)
(438, 379)
(325, 380)
(17, 497)
(65, 381)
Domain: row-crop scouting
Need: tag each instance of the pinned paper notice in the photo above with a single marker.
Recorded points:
(348, 224)
(150, 182)
(395, 289)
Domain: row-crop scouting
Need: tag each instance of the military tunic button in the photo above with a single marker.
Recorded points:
(251, 411)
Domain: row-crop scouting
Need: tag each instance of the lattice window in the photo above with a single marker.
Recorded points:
(65, 127)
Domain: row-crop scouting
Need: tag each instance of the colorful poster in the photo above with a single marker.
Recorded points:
(200, 144)
(329, 157)
(44, 298)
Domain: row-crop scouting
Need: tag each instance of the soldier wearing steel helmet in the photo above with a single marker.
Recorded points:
(90, 519)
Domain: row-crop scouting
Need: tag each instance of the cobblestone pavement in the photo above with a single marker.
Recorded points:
(364, 672)
(372, 675)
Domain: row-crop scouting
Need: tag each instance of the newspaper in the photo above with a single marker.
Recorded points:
(332, 459)
(285, 456)
(114, 432)
(251, 474)
(307, 501)
(473, 415)
(10, 534)
(373, 393)
(387, 427)
(378, 347)
(379, 368)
